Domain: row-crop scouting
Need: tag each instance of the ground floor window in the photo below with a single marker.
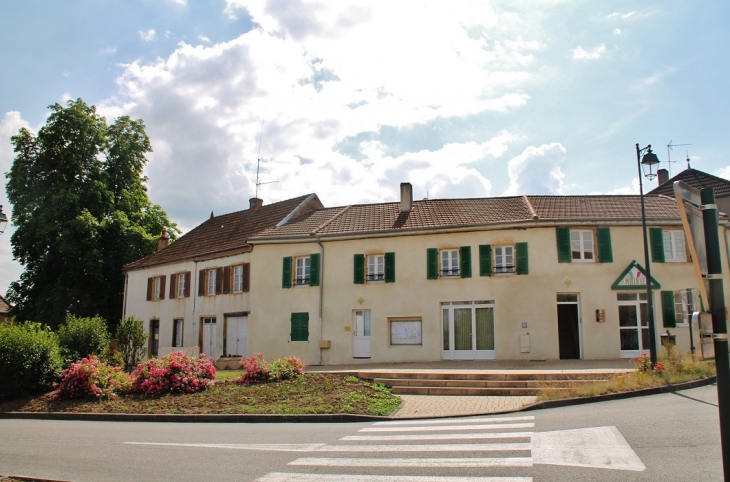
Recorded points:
(177, 333)
(468, 330)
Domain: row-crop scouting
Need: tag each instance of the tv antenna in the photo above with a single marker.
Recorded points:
(669, 155)
(258, 164)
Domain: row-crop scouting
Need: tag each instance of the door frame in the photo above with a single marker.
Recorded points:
(575, 303)
(637, 304)
(363, 339)
(473, 354)
(201, 338)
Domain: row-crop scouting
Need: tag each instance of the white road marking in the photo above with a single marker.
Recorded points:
(435, 462)
(448, 427)
(596, 447)
(285, 477)
(458, 420)
(435, 436)
(269, 447)
(426, 448)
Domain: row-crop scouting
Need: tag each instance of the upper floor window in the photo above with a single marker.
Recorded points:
(211, 281)
(156, 288)
(449, 262)
(303, 266)
(674, 246)
(581, 245)
(504, 259)
(238, 278)
(376, 268)
(181, 285)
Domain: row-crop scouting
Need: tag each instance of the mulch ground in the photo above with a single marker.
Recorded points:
(310, 393)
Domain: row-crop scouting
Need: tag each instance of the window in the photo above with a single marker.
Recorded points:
(449, 262)
(376, 268)
(177, 333)
(301, 276)
(238, 278)
(299, 327)
(156, 288)
(678, 306)
(504, 259)
(581, 245)
(673, 246)
(181, 285)
(211, 281)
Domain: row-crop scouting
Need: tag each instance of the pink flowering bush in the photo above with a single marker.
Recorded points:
(174, 373)
(90, 378)
(256, 370)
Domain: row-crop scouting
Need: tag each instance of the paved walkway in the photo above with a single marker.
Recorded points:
(450, 406)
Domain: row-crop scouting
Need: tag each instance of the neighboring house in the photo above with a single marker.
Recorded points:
(4, 309)
(202, 280)
(511, 278)
(698, 180)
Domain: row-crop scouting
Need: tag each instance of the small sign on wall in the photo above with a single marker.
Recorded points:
(600, 316)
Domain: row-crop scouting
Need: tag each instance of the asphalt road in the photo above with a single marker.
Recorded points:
(672, 437)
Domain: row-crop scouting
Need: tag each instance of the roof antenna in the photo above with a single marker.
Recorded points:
(258, 164)
(669, 156)
(688, 166)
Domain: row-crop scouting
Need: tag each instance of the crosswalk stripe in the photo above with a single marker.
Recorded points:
(448, 427)
(457, 420)
(427, 448)
(442, 436)
(416, 462)
(299, 477)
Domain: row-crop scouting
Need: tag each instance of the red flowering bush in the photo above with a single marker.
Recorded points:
(643, 365)
(256, 370)
(91, 378)
(174, 373)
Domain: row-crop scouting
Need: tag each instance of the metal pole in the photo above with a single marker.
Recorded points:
(719, 323)
(649, 304)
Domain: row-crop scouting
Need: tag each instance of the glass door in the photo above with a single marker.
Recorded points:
(468, 330)
(633, 321)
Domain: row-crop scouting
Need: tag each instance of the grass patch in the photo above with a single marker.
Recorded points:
(677, 368)
(320, 393)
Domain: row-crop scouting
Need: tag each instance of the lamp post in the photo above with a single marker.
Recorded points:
(647, 162)
(3, 220)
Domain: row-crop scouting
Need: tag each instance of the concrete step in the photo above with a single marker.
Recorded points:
(490, 376)
(502, 392)
(504, 384)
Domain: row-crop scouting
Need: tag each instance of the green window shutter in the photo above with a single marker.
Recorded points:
(286, 273)
(485, 260)
(359, 269)
(465, 261)
(564, 254)
(432, 263)
(314, 270)
(390, 267)
(670, 320)
(605, 254)
(522, 259)
(657, 245)
(299, 327)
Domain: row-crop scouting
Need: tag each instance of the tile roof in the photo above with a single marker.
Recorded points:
(696, 179)
(225, 233)
(4, 305)
(456, 213)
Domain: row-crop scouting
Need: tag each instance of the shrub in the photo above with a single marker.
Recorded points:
(30, 360)
(131, 341)
(174, 373)
(82, 337)
(256, 370)
(91, 378)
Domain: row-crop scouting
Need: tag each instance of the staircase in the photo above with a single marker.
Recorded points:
(480, 383)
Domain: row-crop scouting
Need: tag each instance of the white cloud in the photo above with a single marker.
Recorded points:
(630, 16)
(617, 31)
(537, 171)
(580, 53)
(148, 36)
(109, 51)
(723, 172)
(632, 189)
(203, 38)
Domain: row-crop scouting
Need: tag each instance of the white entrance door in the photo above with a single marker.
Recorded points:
(209, 337)
(361, 331)
(633, 324)
(237, 336)
(468, 330)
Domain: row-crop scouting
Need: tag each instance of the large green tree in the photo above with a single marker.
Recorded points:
(81, 211)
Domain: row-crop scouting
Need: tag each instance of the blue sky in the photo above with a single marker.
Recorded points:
(471, 99)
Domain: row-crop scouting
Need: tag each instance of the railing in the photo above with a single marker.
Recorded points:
(301, 281)
(504, 269)
(450, 272)
(375, 277)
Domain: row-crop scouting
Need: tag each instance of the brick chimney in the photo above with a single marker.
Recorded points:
(163, 240)
(663, 175)
(255, 202)
(406, 197)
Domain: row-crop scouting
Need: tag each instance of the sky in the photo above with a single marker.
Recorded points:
(348, 99)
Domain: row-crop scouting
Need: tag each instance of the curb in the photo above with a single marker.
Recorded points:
(566, 402)
(194, 418)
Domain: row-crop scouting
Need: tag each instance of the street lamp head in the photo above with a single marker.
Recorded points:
(648, 162)
(3, 220)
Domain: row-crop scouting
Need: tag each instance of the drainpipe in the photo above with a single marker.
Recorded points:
(321, 296)
(194, 294)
